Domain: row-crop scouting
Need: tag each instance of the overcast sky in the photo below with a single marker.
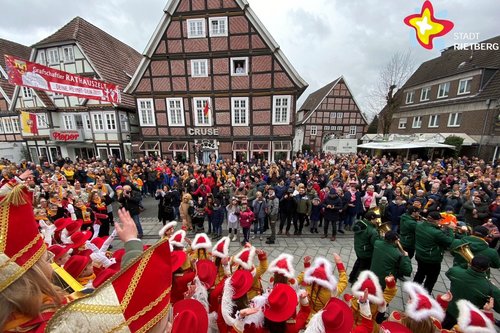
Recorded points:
(323, 39)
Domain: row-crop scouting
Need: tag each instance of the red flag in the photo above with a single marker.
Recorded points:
(206, 109)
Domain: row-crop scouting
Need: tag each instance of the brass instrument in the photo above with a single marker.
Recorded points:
(465, 251)
(384, 228)
(376, 210)
(400, 247)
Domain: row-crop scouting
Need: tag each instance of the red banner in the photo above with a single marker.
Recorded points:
(30, 74)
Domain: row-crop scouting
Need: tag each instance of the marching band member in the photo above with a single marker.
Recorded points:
(244, 260)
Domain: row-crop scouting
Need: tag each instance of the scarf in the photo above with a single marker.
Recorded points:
(86, 279)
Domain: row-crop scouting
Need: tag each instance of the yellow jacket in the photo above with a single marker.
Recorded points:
(260, 270)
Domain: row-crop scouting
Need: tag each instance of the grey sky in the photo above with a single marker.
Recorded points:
(322, 38)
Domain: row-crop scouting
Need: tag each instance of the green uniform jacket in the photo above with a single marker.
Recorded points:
(407, 231)
(387, 260)
(472, 286)
(133, 249)
(478, 246)
(431, 241)
(365, 235)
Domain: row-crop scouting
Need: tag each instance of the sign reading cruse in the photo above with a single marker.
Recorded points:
(203, 131)
(66, 136)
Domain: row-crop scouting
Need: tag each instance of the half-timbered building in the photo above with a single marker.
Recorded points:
(213, 83)
(99, 129)
(330, 112)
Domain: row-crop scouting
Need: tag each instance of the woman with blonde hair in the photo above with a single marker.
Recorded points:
(185, 211)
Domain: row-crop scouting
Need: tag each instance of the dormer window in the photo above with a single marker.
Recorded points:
(464, 86)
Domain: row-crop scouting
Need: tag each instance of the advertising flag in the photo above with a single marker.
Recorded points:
(30, 74)
(28, 123)
(206, 109)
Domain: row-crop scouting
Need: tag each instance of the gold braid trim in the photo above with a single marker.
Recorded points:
(22, 252)
(135, 280)
(97, 309)
(15, 197)
(4, 226)
(149, 325)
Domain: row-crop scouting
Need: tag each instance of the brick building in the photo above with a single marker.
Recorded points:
(330, 113)
(457, 93)
(214, 83)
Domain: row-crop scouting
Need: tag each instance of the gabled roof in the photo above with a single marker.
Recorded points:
(160, 30)
(112, 59)
(16, 50)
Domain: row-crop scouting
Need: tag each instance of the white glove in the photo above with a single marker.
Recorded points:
(107, 243)
(101, 259)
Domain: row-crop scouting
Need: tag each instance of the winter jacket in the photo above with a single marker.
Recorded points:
(218, 215)
(478, 246)
(388, 260)
(304, 204)
(131, 204)
(335, 203)
(288, 206)
(482, 213)
(316, 212)
(394, 212)
(365, 235)
(407, 231)
(431, 241)
(259, 208)
(465, 283)
(273, 206)
(246, 218)
(280, 191)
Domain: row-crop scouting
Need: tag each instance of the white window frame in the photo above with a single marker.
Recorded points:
(199, 63)
(172, 121)
(146, 120)
(333, 115)
(7, 125)
(417, 122)
(402, 123)
(98, 122)
(434, 121)
(50, 53)
(218, 33)
(124, 126)
(110, 121)
(454, 119)
(70, 56)
(443, 90)
(27, 93)
(68, 121)
(410, 97)
(426, 92)
(87, 123)
(238, 109)
(42, 120)
(468, 83)
(340, 115)
(314, 130)
(42, 59)
(340, 128)
(281, 98)
(190, 34)
(196, 109)
(15, 124)
(353, 130)
(245, 67)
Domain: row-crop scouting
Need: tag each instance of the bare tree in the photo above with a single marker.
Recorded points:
(381, 99)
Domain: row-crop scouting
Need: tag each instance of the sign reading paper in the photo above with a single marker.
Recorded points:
(33, 75)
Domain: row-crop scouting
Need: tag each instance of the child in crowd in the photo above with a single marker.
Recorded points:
(315, 215)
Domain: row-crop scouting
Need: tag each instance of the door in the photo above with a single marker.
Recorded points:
(116, 153)
(55, 152)
(102, 152)
(44, 154)
(34, 155)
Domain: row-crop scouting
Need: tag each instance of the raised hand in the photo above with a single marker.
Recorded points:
(337, 258)
(126, 228)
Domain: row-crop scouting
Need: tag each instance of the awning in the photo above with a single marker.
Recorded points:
(468, 141)
(259, 146)
(178, 146)
(149, 145)
(282, 146)
(395, 145)
(240, 146)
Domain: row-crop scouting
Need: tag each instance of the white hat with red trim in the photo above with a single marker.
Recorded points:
(368, 280)
(167, 226)
(245, 257)
(201, 241)
(221, 248)
(178, 238)
(421, 305)
(321, 273)
(283, 265)
(472, 320)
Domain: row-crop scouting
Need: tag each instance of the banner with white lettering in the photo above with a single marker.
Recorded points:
(33, 75)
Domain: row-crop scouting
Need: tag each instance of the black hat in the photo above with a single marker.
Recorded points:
(391, 236)
(480, 263)
(435, 216)
(481, 231)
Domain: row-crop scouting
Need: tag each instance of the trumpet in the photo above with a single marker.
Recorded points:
(383, 228)
(465, 251)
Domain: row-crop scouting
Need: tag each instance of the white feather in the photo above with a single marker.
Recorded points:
(316, 324)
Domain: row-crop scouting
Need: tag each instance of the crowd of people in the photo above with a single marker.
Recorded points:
(394, 208)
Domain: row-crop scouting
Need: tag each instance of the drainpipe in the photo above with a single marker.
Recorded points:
(488, 103)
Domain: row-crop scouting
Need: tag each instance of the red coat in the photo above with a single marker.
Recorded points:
(180, 285)
(214, 301)
(246, 218)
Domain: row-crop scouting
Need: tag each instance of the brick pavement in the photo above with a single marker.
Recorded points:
(313, 245)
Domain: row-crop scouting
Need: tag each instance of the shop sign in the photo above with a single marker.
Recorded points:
(341, 146)
(66, 136)
(203, 131)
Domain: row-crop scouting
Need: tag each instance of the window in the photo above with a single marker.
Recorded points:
(146, 112)
(402, 123)
(196, 28)
(443, 90)
(41, 58)
(98, 122)
(454, 120)
(203, 112)
(464, 86)
(78, 121)
(218, 26)
(239, 66)
(15, 124)
(1, 127)
(410, 97)
(42, 120)
(175, 112)
(53, 55)
(27, 93)
(340, 115)
(110, 121)
(7, 125)
(314, 130)
(86, 122)
(68, 122)
(68, 55)
(425, 94)
(239, 108)
(281, 109)
(417, 122)
(340, 128)
(124, 122)
(333, 115)
(352, 130)
(434, 121)
(199, 68)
